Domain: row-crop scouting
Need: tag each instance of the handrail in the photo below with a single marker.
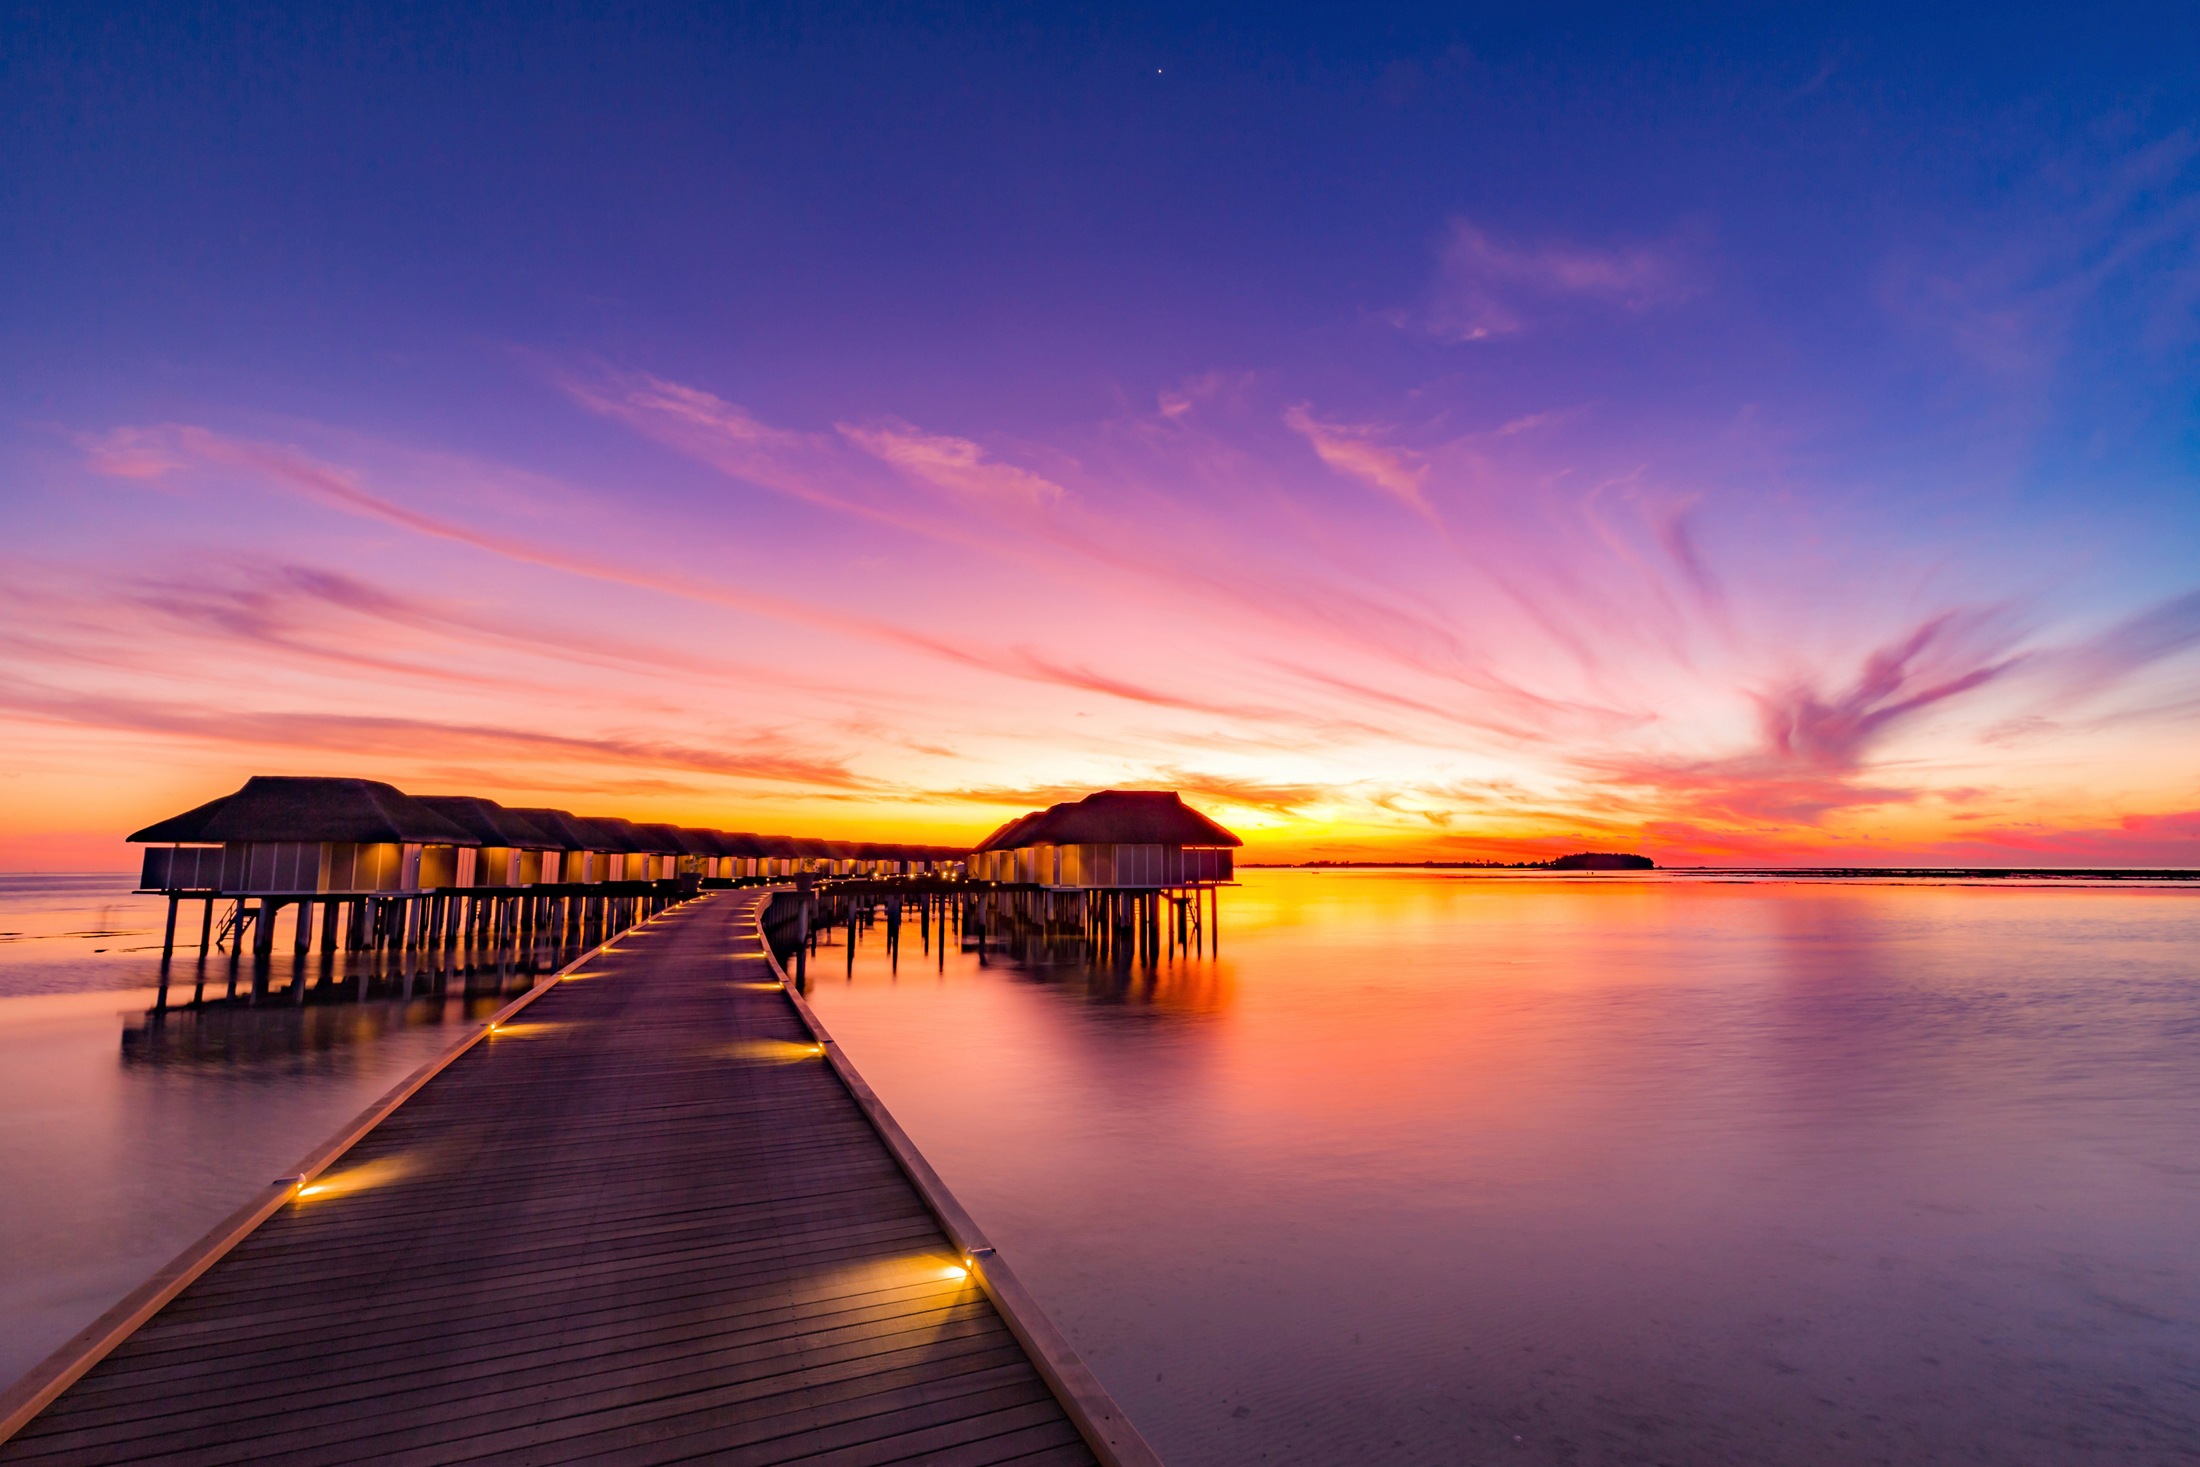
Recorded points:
(21, 1402)
(1098, 1419)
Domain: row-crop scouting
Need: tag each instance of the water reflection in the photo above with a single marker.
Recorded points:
(1179, 977)
(356, 977)
(243, 1034)
(1441, 1169)
(130, 1125)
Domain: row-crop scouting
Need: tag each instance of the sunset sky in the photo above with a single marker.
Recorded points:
(1734, 436)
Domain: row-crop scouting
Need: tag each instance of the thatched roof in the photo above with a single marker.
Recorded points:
(362, 811)
(680, 841)
(565, 831)
(1115, 818)
(625, 835)
(710, 842)
(283, 808)
(1010, 836)
(490, 823)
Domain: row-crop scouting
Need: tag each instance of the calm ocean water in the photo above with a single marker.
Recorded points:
(121, 1139)
(1454, 1169)
(1424, 1168)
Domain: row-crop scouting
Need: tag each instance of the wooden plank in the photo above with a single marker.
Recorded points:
(23, 1400)
(1110, 1434)
(640, 1225)
(548, 1410)
(495, 1349)
(430, 1386)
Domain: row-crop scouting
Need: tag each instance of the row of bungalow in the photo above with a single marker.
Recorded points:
(293, 836)
(384, 870)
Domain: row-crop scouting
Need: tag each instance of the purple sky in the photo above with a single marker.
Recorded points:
(1442, 434)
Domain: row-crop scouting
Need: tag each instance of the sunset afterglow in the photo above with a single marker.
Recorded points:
(1429, 452)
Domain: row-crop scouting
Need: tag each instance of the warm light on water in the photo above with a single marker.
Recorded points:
(120, 1141)
(1663, 1170)
(1674, 1170)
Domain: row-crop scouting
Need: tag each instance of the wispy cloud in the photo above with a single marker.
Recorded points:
(1815, 741)
(1487, 287)
(1570, 649)
(956, 465)
(761, 757)
(1243, 794)
(2161, 631)
(274, 466)
(1355, 450)
(2092, 234)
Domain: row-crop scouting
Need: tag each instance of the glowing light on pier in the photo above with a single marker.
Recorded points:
(379, 1172)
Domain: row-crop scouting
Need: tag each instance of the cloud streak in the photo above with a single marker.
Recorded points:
(284, 732)
(1487, 288)
(1354, 451)
(1557, 654)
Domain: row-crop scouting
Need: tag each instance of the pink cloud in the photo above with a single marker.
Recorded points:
(296, 473)
(749, 756)
(1815, 742)
(1832, 732)
(1352, 450)
(1486, 288)
(956, 465)
(1239, 622)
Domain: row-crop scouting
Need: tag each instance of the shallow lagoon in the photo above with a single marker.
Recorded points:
(1451, 1168)
(1423, 1168)
(124, 1137)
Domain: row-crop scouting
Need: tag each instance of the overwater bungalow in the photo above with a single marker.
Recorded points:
(748, 853)
(282, 841)
(633, 855)
(780, 855)
(713, 861)
(304, 836)
(994, 858)
(383, 869)
(1117, 839)
(583, 852)
(513, 850)
(695, 852)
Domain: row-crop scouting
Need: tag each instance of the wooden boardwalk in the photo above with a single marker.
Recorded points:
(644, 1222)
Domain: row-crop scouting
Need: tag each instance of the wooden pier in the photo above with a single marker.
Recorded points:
(654, 1216)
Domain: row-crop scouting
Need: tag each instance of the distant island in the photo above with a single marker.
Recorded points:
(1579, 861)
(1601, 861)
